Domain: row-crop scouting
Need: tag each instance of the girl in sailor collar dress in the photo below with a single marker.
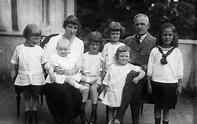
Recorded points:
(165, 72)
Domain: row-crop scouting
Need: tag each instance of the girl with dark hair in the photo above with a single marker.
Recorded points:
(63, 100)
(165, 72)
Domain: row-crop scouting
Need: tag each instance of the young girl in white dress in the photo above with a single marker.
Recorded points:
(114, 31)
(165, 72)
(91, 67)
(29, 60)
(115, 79)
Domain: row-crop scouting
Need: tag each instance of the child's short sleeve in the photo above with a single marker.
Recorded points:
(134, 68)
(14, 59)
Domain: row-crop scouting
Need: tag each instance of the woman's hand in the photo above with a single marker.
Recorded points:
(52, 78)
(71, 72)
(149, 87)
(59, 70)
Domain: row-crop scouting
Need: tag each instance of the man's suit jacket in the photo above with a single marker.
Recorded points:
(140, 52)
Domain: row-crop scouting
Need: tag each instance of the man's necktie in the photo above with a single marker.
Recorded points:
(138, 39)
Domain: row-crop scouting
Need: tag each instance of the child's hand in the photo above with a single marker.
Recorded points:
(135, 80)
(72, 71)
(149, 88)
(179, 90)
(52, 78)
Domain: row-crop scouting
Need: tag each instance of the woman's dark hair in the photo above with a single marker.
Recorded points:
(96, 37)
(122, 49)
(71, 19)
(159, 35)
(115, 26)
(31, 30)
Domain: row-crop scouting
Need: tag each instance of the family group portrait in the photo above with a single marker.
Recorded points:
(98, 62)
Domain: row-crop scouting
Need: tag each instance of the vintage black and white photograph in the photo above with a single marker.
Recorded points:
(98, 61)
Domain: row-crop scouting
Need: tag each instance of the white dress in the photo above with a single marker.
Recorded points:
(91, 65)
(29, 60)
(115, 80)
(65, 63)
(108, 53)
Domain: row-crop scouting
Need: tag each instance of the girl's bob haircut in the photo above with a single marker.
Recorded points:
(31, 30)
(71, 19)
(122, 49)
(115, 26)
(96, 37)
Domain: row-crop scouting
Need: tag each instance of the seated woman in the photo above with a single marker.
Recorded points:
(64, 100)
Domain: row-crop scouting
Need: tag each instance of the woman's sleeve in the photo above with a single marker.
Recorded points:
(53, 60)
(150, 63)
(43, 57)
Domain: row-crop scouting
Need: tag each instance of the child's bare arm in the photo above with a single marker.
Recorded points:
(149, 84)
(179, 87)
(51, 73)
(16, 71)
(103, 70)
(139, 77)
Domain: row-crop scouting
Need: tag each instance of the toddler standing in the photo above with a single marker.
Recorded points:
(29, 59)
(115, 79)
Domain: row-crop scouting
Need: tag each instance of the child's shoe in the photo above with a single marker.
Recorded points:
(157, 120)
(116, 121)
(93, 117)
(83, 114)
(27, 117)
(34, 119)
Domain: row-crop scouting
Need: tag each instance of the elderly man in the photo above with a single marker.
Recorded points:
(141, 43)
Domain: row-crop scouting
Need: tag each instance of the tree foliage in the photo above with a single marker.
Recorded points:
(97, 14)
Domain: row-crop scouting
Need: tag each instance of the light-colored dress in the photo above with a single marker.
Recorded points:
(108, 53)
(115, 80)
(91, 65)
(29, 60)
(65, 63)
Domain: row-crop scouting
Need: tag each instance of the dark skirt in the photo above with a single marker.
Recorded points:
(63, 101)
(164, 94)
